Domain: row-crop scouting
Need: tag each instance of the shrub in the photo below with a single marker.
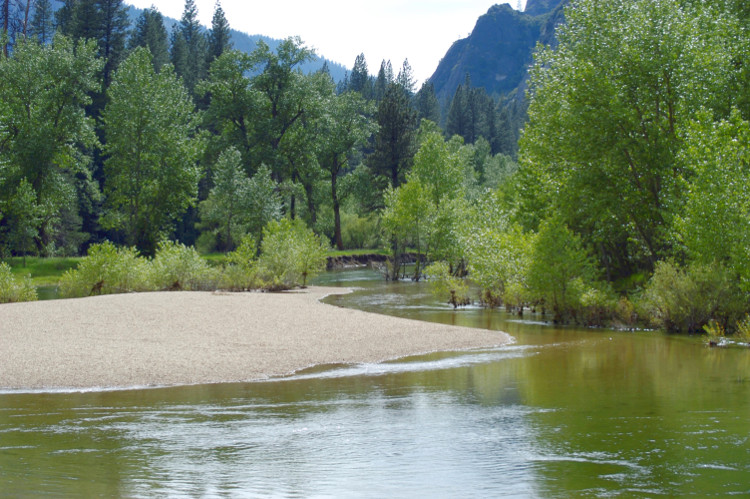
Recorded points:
(241, 272)
(107, 269)
(177, 267)
(13, 289)
(560, 271)
(291, 254)
(447, 287)
(686, 299)
(360, 232)
(743, 329)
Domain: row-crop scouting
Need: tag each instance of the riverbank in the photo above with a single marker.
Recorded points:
(176, 338)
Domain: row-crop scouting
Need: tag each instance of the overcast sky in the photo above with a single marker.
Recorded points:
(420, 30)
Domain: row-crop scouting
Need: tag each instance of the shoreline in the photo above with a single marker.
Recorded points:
(165, 339)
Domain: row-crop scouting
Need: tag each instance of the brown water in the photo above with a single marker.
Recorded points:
(562, 412)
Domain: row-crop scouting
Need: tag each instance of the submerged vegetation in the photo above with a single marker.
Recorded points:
(624, 202)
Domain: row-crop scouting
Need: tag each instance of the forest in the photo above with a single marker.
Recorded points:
(622, 201)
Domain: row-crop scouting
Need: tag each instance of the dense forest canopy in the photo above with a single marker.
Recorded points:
(623, 192)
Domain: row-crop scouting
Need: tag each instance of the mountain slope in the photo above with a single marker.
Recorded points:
(498, 52)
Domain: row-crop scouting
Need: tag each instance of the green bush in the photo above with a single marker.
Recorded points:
(290, 255)
(360, 232)
(686, 299)
(447, 287)
(240, 274)
(176, 267)
(13, 289)
(560, 272)
(107, 269)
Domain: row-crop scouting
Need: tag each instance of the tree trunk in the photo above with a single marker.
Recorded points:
(6, 15)
(336, 215)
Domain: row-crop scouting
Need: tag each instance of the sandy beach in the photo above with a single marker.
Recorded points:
(175, 338)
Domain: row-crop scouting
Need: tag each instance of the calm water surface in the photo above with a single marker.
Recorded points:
(562, 412)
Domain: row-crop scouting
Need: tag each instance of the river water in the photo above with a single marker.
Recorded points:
(561, 412)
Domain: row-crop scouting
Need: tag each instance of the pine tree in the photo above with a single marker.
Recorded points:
(150, 32)
(405, 78)
(65, 16)
(219, 38)
(360, 77)
(113, 30)
(457, 120)
(42, 22)
(193, 68)
(427, 104)
(395, 138)
(385, 78)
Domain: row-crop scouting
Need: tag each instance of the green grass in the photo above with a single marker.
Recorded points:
(43, 271)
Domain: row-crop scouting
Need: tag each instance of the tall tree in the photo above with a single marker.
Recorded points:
(405, 78)
(113, 30)
(344, 127)
(150, 32)
(191, 67)
(151, 168)
(384, 78)
(359, 80)
(395, 142)
(44, 91)
(42, 22)
(604, 125)
(428, 107)
(219, 38)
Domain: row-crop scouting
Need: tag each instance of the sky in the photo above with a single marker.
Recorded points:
(421, 31)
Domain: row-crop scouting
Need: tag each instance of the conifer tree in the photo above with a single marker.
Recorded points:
(113, 29)
(150, 32)
(42, 22)
(405, 78)
(428, 107)
(219, 38)
(192, 68)
(395, 138)
(360, 78)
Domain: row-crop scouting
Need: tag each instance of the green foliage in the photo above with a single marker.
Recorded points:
(241, 272)
(686, 299)
(290, 254)
(151, 171)
(13, 289)
(560, 271)
(176, 267)
(608, 104)
(395, 139)
(743, 329)
(238, 205)
(717, 212)
(360, 232)
(446, 286)
(497, 255)
(150, 32)
(107, 269)
(43, 127)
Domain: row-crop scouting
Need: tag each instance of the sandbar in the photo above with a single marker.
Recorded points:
(183, 338)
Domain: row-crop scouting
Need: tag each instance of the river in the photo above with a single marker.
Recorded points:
(561, 412)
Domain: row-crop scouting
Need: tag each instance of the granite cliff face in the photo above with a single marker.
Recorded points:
(499, 50)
